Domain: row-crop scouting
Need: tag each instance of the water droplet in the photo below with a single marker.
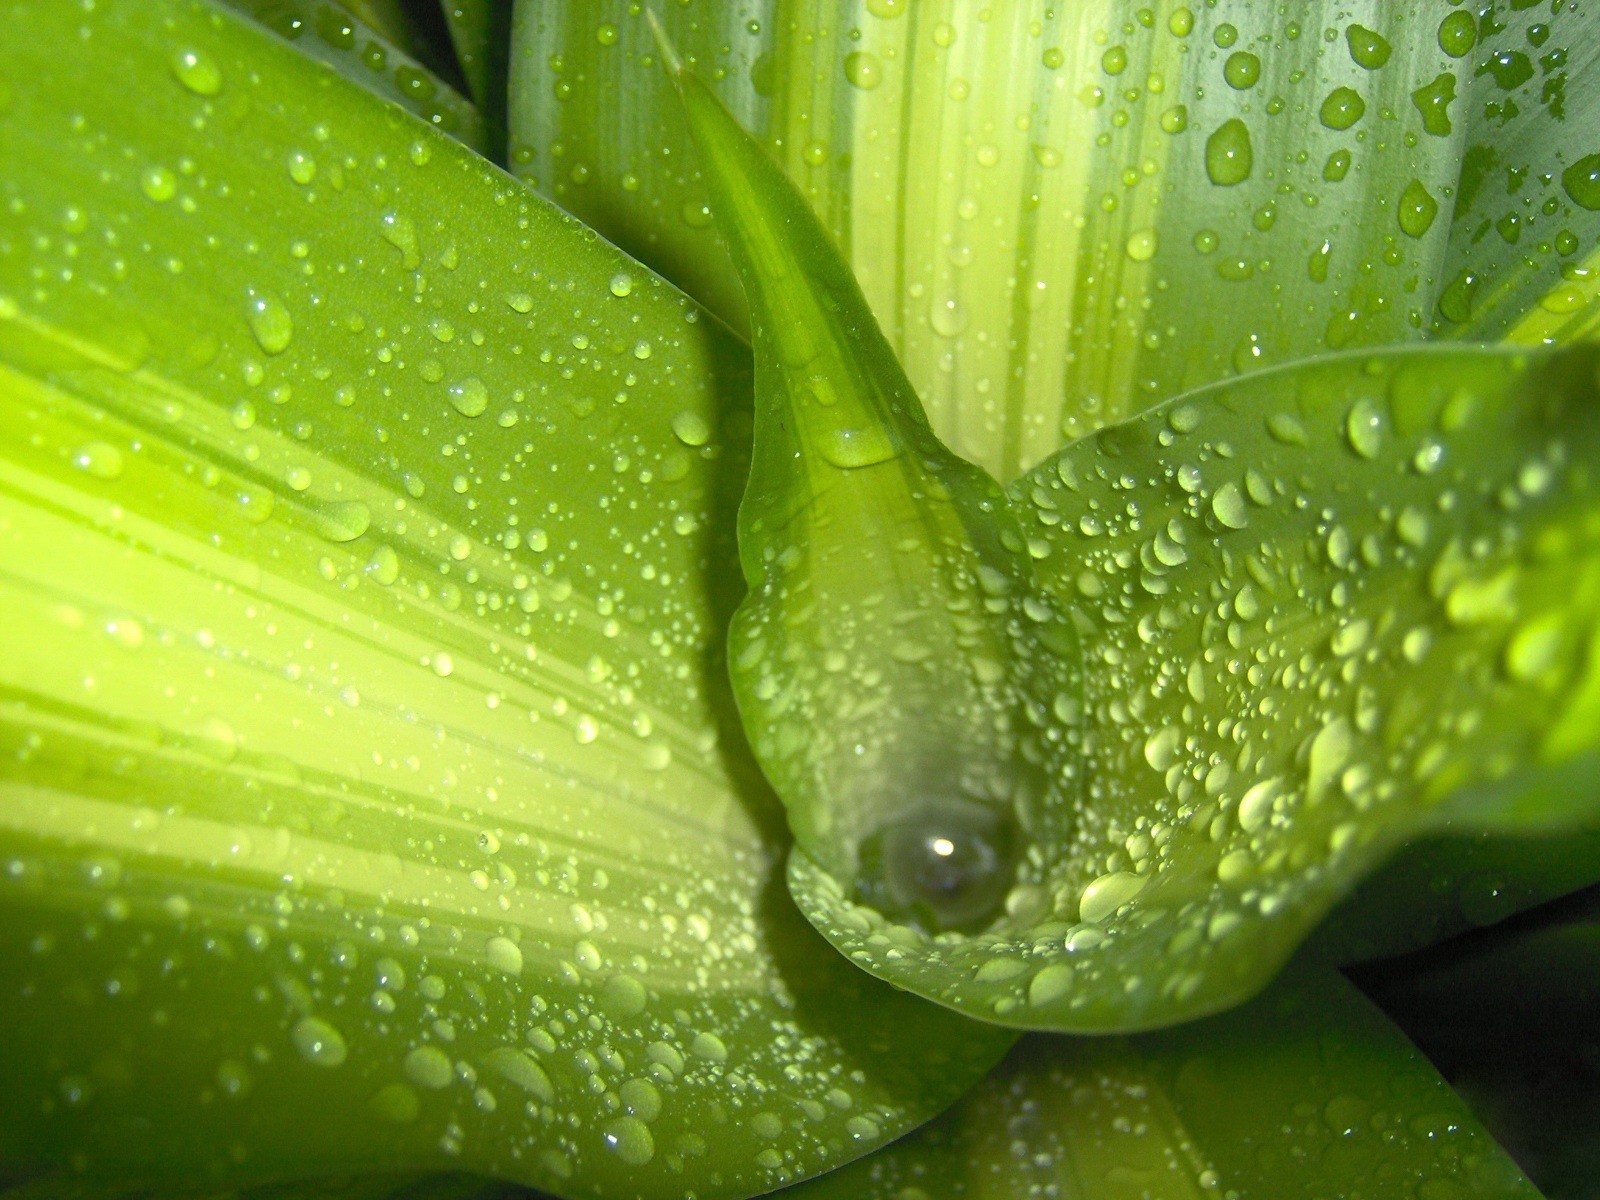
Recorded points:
(318, 1042)
(621, 284)
(1242, 70)
(401, 233)
(302, 167)
(1050, 984)
(1103, 896)
(946, 863)
(630, 1140)
(1458, 33)
(1433, 103)
(1142, 245)
(270, 321)
(343, 520)
(691, 428)
(709, 1047)
(623, 996)
(1342, 108)
(1256, 804)
(1417, 209)
(1229, 157)
(863, 70)
(948, 317)
(469, 397)
(1368, 48)
(851, 449)
(1581, 181)
(1228, 505)
(518, 1068)
(197, 71)
(396, 1103)
(503, 955)
(429, 1067)
(159, 184)
(1364, 426)
(100, 459)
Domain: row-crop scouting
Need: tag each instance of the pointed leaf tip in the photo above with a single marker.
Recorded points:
(896, 658)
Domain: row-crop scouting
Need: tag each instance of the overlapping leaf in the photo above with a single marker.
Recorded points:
(1324, 610)
(1306, 1093)
(1062, 214)
(369, 796)
(376, 53)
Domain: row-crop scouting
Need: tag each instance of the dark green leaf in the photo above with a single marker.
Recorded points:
(1305, 1094)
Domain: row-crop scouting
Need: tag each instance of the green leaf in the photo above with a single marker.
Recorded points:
(1025, 196)
(895, 651)
(371, 57)
(481, 33)
(1521, 261)
(1440, 887)
(370, 791)
(1508, 1014)
(1306, 1093)
(1325, 610)
(364, 1187)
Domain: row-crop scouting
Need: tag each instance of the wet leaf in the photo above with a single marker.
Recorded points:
(480, 30)
(1062, 214)
(378, 57)
(1305, 1093)
(1325, 610)
(370, 793)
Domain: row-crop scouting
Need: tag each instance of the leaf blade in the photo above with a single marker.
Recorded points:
(362, 665)
(1241, 561)
(1273, 1100)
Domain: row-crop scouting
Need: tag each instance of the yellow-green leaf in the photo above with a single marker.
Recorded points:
(370, 791)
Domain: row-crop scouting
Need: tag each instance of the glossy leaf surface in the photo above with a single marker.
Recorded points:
(1062, 214)
(1306, 1093)
(370, 795)
(895, 650)
(1324, 610)
(376, 58)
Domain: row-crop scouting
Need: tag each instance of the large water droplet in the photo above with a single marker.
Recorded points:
(1417, 209)
(197, 71)
(469, 397)
(1581, 181)
(318, 1042)
(1368, 48)
(1229, 157)
(947, 863)
(270, 321)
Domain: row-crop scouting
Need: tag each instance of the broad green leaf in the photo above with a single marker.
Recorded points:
(1062, 214)
(334, 34)
(370, 791)
(481, 33)
(1324, 610)
(1304, 1094)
